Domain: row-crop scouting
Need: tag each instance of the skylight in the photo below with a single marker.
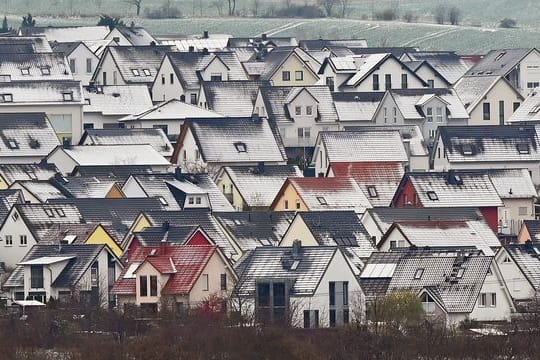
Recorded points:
(12, 144)
(467, 149)
(135, 72)
(459, 273)
(69, 239)
(45, 70)
(49, 213)
(523, 148)
(432, 195)
(240, 147)
(147, 72)
(67, 96)
(7, 98)
(500, 56)
(60, 212)
(322, 200)
(25, 71)
(535, 109)
(295, 264)
(372, 191)
(163, 201)
(418, 274)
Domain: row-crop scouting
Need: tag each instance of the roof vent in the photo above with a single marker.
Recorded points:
(116, 95)
(34, 144)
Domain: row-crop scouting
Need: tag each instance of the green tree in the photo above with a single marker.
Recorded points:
(111, 22)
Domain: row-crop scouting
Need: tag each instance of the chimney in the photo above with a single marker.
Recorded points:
(296, 249)
(205, 51)
(260, 167)
(191, 48)
(264, 37)
(153, 43)
(178, 173)
(66, 143)
(165, 226)
(255, 117)
(205, 34)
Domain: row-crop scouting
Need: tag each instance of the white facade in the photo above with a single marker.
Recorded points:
(108, 73)
(16, 239)
(82, 63)
(517, 284)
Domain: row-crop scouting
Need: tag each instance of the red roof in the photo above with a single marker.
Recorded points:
(370, 172)
(184, 263)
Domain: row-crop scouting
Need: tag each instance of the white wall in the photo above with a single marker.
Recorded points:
(13, 254)
(517, 284)
(530, 72)
(80, 56)
(167, 91)
(108, 66)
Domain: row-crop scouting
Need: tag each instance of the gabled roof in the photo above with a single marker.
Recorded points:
(257, 41)
(232, 98)
(512, 183)
(452, 189)
(79, 258)
(275, 58)
(212, 43)
(409, 102)
(35, 66)
(528, 111)
(8, 198)
(14, 172)
(41, 91)
(157, 235)
(396, 51)
(137, 36)
(270, 263)
(85, 186)
(363, 146)
(378, 180)
(68, 33)
(116, 100)
(24, 44)
(533, 227)
(499, 62)
(216, 139)
(26, 135)
(277, 98)
(472, 89)
(447, 63)
(41, 190)
(321, 44)
(258, 186)
(154, 137)
(68, 233)
(66, 48)
(118, 173)
(356, 106)
(526, 257)
(329, 194)
(251, 229)
(490, 143)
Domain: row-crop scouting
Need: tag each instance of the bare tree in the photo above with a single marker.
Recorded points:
(232, 7)
(136, 3)
(440, 14)
(288, 3)
(327, 5)
(218, 4)
(255, 7)
(454, 15)
(344, 7)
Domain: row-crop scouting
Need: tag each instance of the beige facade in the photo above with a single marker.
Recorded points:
(299, 73)
(502, 99)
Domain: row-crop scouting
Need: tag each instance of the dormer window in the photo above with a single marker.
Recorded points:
(45, 70)
(67, 96)
(432, 195)
(467, 149)
(372, 191)
(240, 147)
(322, 200)
(135, 72)
(215, 77)
(7, 98)
(523, 149)
(147, 72)
(25, 71)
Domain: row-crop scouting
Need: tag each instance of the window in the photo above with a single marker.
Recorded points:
(467, 149)
(404, 82)
(72, 66)
(486, 107)
(115, 78)
(67, 96)
(507, 260)
(304, 133)
(7, 98)
(215, 77)
(143, 285)
(385, 112)
(223, 281)
(432, 195)
(171, 78)
(297, 204)
(36, 276)
(191, 200)
(104, 78)
(197, 154)
(193, 99)
(395, 115)
(165, 128)
(487, 300)
(9, 240)
(460, 273)
(23, 240)
(372, 191)
(330, 82)
(205, 282)
(147, 72)
(345, 316)
(25, 71)
(135, 72)
(388, 81)
(299, 75)
(515, 106)
(332, 318)
(162, 79)
(286, 204)
(153, 285)
(376, 85)
(345, 288)
(298, 110)
(286, 75)
(240, 147)
(429, 114)
(533, 84)
(60, 212)
(431, 83)
(15, 216)
(321, 200)
(309, 110)
(493, 300)
(439, 114)
(418, 274)
(49, 213)
(427, 303)
(332, 293)
(89, 68)
(198, 200)
(522, 211)
(45, 70)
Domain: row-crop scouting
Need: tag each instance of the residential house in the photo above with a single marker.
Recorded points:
(24, 44)
(447, 64)
(519, 265)
(328, 194)
(356, 108)
(98, 186)
(453, 285)
(66, 159)
(128, 65)
(253, 187)
(487, 147)
(105, 105)
(489, 100)
(34, 67)
(266, 41)
(428, 73)
(304, 286)
(212, 42)
(519, 66)
(300, 113)
(168, 115)
(530, 231)
(180, 74)
(230, 98)
(66, 33)
(527, 113)
(130, 36)
(9, 173)
(8, 198)
(450, 189)
(26, 137)
(357, 146)
(60, 100)
(154, 137)
(205, 145)
(37, 192)
(81, 59)
(85, 272)
(177, 276)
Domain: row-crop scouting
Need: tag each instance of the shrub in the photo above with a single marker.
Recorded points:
(454, 15)
(386, 15)
(295, 11)
(410, 17)
(165, 11)
(508, 23)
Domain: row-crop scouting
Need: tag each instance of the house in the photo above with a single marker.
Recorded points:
(81, 59)
(89, 186)
(34, 67)
(329, 194)
(37, 192)
(439, 234)
(154, 137)
(487, 147)
(230, 98)
(357, 146)
(518, 66)
(178, 191)
(378, 180)
(26, 137)
(130, 36)
(118, 173)
(180, 74)
(251, 229)
(105, 105)
(304, 286)
(60, 100)
(428, 73)
(65, 272)
(9, 173)
(450, 189)
(453, 285)
(322, 44)
(264, 40)
(527, 113)
(212, 42)
(8, 198)
(175, 276)
(128, 65)
(489, 100)
(208, 144)
(66, 159)
(441, 64)
(253, 187)
(530, 230)
(356, 108)
(300, 113)
(168, 115)
(519, 266)
(67, 33)
(24, 44)
(26, 224)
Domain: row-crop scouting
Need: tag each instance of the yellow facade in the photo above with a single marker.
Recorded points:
(523, 235)
(101, 236)
(3, 184)
(227, 187)
(293, 64)
(289, 200)
(298, 231)
(115, 193)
